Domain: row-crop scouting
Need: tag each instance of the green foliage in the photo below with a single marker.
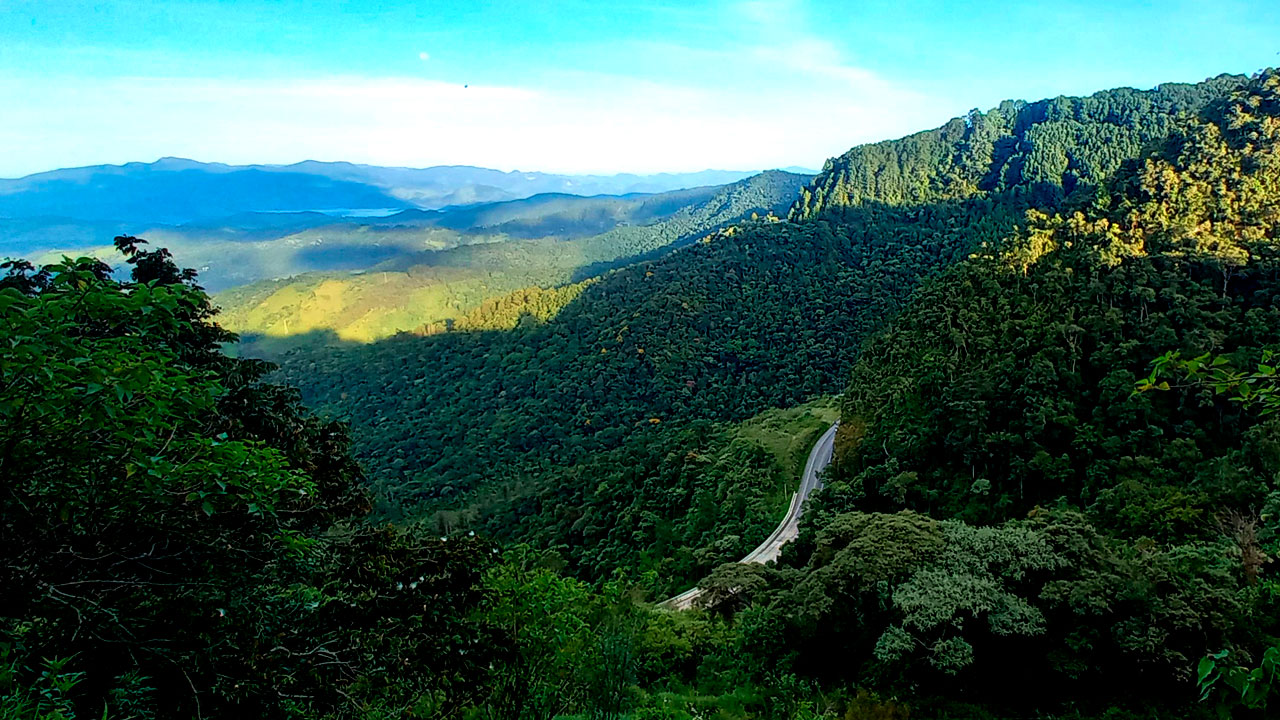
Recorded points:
(1011, 530)
(1249, 688)
(522, 307)
(1036, 385)
(47, 695)
(731, 586)
(679, 503)
(1257, 388)
(506, 424)
(969, 583)
(492, 428)
(188, 539)
(1047, 150)
(565, 648)
(1002, 402)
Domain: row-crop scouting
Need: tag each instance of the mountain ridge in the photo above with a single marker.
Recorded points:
(1039, 148)
(424, 291)
(177, 190)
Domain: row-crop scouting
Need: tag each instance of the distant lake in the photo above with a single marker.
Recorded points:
(345, 212)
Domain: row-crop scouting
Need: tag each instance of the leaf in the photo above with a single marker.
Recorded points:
(207, 507)
(1206, 668)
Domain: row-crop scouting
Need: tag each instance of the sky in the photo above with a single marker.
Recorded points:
(578, 86)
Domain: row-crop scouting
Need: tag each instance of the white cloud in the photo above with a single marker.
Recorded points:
(784, 39)
(424, 56)
(782, 96)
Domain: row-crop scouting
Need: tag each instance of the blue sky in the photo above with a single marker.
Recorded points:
(567, 86)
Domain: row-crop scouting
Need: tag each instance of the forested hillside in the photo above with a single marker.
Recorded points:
(1021, 516)
(247, 247)
(570, 216)
(499, 426)
(1044, 150)
(181, 539)
(243, 225)
(1057, 491)
(413, 292)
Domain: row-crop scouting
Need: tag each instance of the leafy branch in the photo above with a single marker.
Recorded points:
(1249, 687)
(1258, 388)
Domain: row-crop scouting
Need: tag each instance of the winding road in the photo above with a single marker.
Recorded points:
(789, 528)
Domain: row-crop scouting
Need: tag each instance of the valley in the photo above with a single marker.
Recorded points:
(541, 243)
(1008, 383)
(286, 276)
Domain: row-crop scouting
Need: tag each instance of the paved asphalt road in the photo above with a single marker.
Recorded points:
(789, 528)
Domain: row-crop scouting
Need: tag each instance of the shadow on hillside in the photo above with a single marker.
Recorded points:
(597, 269)
(903, 242)
(275, 348)
(346, 256)
(769, 317)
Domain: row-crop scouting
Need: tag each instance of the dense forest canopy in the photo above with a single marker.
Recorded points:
(181, 539)
(1047, 149)
(1049, 527)
(495, 428)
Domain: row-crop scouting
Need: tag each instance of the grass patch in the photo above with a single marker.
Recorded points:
(789, 434)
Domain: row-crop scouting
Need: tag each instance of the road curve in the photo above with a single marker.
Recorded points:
(789, 528)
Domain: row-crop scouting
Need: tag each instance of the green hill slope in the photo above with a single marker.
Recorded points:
(503, 426)
(1009, 519)
(1046, 149)
(421, 291)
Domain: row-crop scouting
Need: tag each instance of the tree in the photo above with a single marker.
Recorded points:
(178, 535)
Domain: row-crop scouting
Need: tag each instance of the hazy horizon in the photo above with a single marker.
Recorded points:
(573, 88)
(513, 170)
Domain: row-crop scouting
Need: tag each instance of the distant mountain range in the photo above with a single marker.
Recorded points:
(359, 252)
(175, 191)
